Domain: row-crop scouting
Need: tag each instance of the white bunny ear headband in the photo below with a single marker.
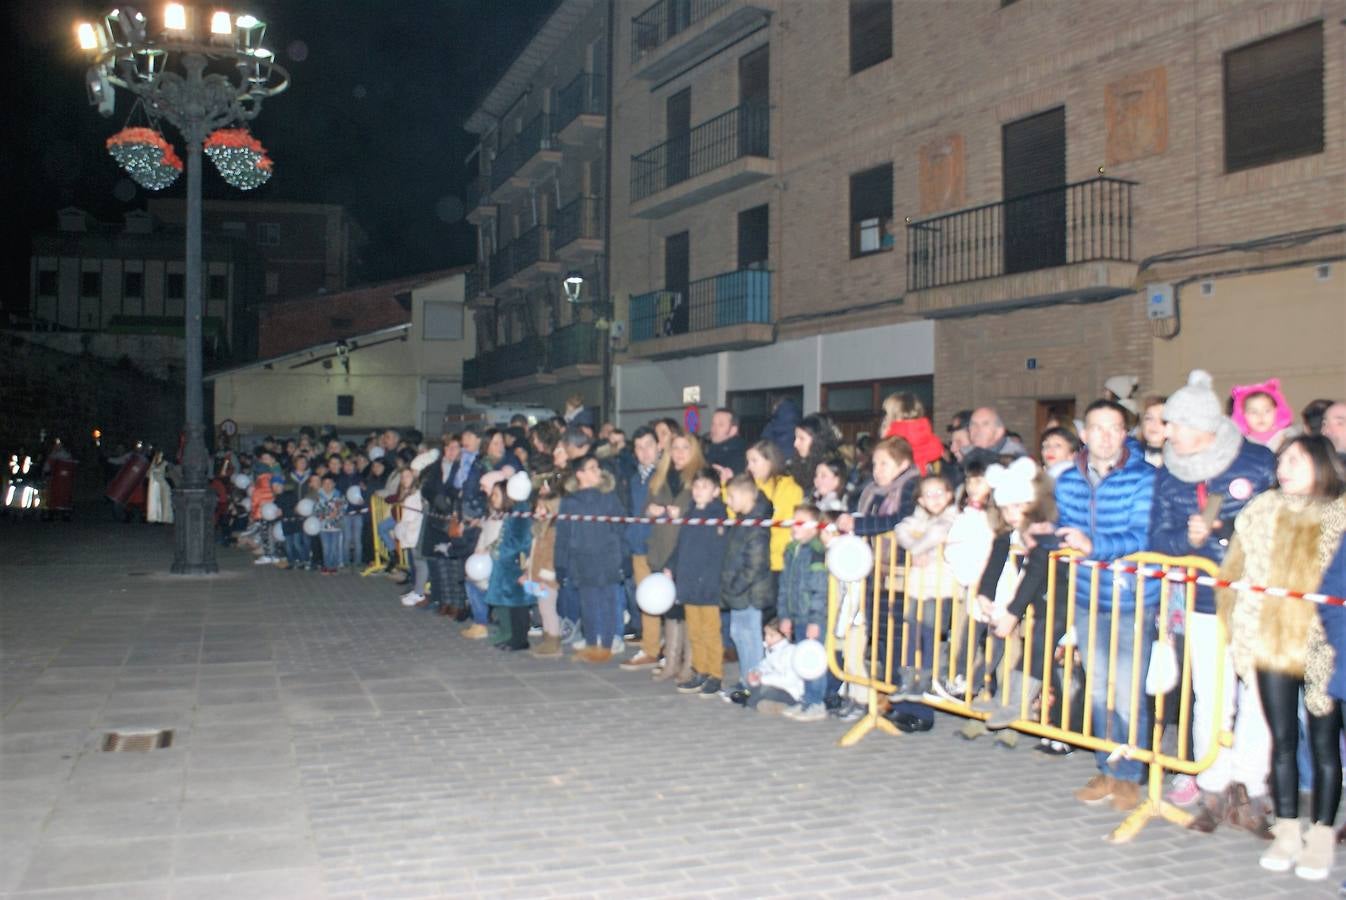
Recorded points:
(1013, 483)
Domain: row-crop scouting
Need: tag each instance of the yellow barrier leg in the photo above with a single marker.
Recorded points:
(871, 721)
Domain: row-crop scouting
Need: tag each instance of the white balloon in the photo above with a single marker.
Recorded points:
(312, 526)
(304, 507)
(656, 594)
(519, 487)
(278, 531)
(270, 512)
(809, 660)
(354, 495)
(850, 558)
(242, 481)
(249, 492)
(478, 566)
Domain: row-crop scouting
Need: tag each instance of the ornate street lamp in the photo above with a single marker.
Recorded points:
(225, 74)
(573, 285)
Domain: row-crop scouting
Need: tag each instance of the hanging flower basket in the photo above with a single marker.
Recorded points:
(146, 156)
(239, 157)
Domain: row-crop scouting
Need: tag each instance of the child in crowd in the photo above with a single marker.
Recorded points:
(904, 417)
(505, 591)
(353, 522)
(262, 494)
(767, 467)
(292, 526)
(539, 578)
(407, 533)
(589, 554)
(772, 685)
(1262, 414)
(802, 602)
(852, 634)
(695, 570)
(747, 584)
(328, 508)
(930, 590)
(488, 536)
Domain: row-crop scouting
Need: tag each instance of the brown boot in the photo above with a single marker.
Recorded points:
(673, 651)
(548, 648)
(595, 655)
(1210, 812)
(1126, 795)
(1248, 814)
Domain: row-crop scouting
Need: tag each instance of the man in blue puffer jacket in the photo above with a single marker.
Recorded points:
(1210, 473)
(1104, 513)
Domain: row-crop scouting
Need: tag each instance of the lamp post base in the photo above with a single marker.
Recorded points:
(194, 515)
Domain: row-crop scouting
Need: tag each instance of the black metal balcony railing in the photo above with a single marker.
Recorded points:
(533, 246)
(573, 345)
(732, 298)
(585, 95)
(535, 137)
(742, 131)
(577, 219)
(519, 360)
(661, 22)
(472, 194)
(473, 282)
(1082, 222)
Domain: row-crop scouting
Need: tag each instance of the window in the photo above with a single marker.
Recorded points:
(857, 406)
(752, 237)
(218, 287)
(47, 283)
(1273, 99)
(871, 210)
(175, 285)
(272, 283)
(345, 404)
(90, 284)
(236, 228)
(443, 321)
(133, 284)
(268, 234)
(871, 33)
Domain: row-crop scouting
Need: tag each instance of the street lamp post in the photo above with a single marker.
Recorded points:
(225, 75)
(573, 285)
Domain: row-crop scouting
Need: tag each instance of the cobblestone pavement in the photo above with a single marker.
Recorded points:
(329, 743)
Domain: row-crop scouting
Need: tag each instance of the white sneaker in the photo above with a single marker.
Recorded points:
(412, 599)
(264, 561)
(618, 645)
(535, 631)
(579, 643)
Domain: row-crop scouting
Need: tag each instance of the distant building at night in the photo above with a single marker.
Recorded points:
(540, 209)
(306, 247)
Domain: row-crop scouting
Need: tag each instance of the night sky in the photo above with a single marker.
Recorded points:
(372, 120)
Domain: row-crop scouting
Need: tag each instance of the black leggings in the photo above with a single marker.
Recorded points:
(1280, 704)
(519, 621)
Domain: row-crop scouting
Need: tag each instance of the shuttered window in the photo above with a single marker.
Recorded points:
(752, 237)
(871, 33)
(1273, 99)
(871, 210)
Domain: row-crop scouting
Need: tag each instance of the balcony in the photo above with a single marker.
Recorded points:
(578, 231)
(567, 354)
(673, 35)
(581, 109)
(477, 201)
(730, 311)
(532, 150)
(1068, 243)
(524, 259)
(714, 158)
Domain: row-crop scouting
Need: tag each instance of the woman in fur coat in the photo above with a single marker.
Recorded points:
(1285, 538)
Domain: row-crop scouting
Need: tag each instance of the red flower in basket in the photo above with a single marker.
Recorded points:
(146, 156)
(240, 158)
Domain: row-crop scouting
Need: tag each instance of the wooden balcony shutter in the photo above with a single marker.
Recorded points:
(1273, 99)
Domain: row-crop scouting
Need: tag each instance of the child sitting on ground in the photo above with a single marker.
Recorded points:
(772, 685)
(801, 602)
(695, 570)
(747, 584)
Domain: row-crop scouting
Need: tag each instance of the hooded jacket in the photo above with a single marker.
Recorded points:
(1285, 416)
(699, 556)
(745, 577)
(516, 539)
(925, 447)
(1115, 514)
(802, 595)
(1232, 469)
(589, 554)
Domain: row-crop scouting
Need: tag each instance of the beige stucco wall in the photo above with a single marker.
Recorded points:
(1287, 324)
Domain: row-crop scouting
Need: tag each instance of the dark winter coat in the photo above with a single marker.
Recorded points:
(1334, 619)
(516, 539)
(731, 453)
(802, 595)
(441, 501)
(589, 554)
(1116, 517)
(636, 496)
(780, 430)
(1252, 471)
(745, 576)
(698, 557)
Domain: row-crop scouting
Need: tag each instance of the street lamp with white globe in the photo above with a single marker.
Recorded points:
(204, 71)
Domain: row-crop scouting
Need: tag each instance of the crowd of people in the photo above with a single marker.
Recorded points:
(1240, 480)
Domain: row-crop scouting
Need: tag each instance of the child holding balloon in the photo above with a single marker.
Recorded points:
(801, 602)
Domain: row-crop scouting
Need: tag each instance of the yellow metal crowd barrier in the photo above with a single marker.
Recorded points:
(902, 599)
(380, 509)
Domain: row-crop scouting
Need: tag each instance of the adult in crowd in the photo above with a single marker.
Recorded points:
(1152, 431)
(1286, 538)
(670, 494)
(443, 554)
(636, 537)
(1334, 427)
(1103, 504)
(1210, 473)
(726, 451)
(780, 428)
(576, 413)
(815, 439)
(990, 442)
(959, 440)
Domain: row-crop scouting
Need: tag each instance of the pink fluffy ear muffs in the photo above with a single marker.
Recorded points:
(1272, 388)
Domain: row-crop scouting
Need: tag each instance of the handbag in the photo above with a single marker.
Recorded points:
(1162, 675)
